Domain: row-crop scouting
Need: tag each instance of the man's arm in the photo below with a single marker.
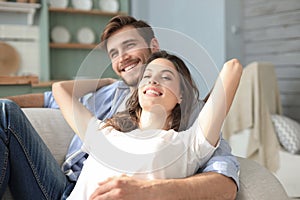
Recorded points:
(28, 100)
(209, 185)
(217, 180)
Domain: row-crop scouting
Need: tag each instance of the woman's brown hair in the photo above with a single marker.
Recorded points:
(128, 120)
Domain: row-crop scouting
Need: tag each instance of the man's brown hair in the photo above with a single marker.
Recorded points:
(120, 21)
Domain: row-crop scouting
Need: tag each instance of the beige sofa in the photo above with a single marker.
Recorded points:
(256, 182)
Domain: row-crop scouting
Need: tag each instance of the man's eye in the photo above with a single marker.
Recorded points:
(113, 55)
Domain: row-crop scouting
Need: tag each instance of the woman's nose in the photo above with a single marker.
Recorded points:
(153, 81)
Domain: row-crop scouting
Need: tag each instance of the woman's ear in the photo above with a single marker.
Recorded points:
(154, 45)
(180, 99)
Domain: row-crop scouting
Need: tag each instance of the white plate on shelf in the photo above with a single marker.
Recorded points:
(60, 34)
(86, 35)
(109, 5)
(82, 4)
(59, 3)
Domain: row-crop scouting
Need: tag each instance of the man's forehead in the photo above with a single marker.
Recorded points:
(123, 35)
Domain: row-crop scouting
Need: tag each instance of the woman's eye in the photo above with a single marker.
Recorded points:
(166, 78)
(130, 45)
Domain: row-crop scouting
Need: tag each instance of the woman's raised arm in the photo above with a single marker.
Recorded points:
(215, 110)
(67, 94)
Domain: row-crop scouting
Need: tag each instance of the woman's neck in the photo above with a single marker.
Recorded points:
(156, 118)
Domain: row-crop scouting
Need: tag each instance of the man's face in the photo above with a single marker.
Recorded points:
(128, 52)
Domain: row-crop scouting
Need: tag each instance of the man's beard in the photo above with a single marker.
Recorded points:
(134, 81)
(131, 82)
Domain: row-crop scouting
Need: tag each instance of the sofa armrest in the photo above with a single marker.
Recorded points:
(53, 129)
(256, 182)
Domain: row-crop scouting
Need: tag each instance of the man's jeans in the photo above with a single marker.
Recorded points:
(26, 164)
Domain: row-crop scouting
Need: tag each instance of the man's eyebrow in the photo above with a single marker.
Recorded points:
(129, 40)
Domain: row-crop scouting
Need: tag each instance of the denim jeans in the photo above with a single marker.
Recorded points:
(26, 164)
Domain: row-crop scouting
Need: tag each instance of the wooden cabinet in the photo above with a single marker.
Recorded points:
(56, 61)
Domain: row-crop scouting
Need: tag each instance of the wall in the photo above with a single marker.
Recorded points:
(233, 30)
(199, 19)
(250, 30)
(272, 33)
(203, 21)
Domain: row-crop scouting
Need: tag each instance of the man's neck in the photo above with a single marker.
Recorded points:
(132, 88)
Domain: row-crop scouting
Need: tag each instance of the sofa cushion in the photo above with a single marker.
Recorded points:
(288, 133)
(56, 133)
(256, 182)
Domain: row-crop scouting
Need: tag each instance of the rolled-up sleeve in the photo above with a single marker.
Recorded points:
(223, 162)
(49, 101)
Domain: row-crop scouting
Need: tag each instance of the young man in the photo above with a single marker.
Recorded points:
(129, 43)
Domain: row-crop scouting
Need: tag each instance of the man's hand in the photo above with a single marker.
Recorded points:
(125, 188)
(208, 185)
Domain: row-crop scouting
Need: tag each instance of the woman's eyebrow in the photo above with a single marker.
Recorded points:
(162, 71)
(167, 70)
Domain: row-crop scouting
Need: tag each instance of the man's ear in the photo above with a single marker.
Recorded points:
(154, 45)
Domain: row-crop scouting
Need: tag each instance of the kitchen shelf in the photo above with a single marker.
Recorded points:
(20, 8)
(66, 58)
(72, 46)
(18, 80)
(88, 12)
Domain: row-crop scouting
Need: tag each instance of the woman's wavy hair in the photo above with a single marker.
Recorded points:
(128, 120)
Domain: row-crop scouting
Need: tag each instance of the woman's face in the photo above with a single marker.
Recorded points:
(160, 85)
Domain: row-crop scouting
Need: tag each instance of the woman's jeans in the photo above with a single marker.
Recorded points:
(26, 164)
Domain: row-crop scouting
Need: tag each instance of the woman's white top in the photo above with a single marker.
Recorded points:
(144, 154)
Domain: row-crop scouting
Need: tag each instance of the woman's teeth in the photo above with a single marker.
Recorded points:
(153, 92)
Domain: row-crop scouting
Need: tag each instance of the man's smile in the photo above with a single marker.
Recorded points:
(129, 66)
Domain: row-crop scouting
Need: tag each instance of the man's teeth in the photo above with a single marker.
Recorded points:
(128, 68)
(152, 92)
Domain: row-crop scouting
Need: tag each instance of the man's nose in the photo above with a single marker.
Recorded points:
(123, 57)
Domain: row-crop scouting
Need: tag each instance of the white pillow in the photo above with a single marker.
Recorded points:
(288, 133)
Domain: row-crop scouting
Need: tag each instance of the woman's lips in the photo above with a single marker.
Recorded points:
(152, 92)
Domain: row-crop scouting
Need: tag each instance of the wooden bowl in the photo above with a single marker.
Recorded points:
(9, 60)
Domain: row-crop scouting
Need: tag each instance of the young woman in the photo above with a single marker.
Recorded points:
(151, 139)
